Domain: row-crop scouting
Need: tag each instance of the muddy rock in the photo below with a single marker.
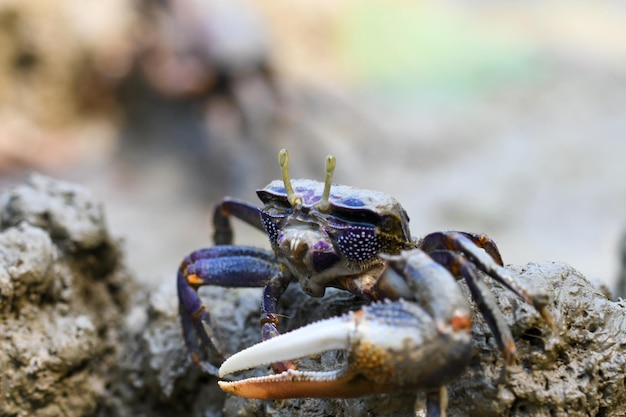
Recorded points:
(81, 339)
(63, 289)
(573, 368)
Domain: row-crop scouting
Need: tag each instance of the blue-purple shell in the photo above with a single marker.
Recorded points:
(342, 197)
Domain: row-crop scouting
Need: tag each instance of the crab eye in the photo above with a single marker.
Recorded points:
(355, 214)
(358, 242)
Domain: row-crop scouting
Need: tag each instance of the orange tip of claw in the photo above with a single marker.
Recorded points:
(299, 384)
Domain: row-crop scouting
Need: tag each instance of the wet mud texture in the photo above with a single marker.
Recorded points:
(62, 294)
(80, 339)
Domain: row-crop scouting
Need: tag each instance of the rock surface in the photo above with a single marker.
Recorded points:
(81, 339)
(574, 369)
(63, 289)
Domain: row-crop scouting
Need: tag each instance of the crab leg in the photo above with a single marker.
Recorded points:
(272, 292)
(487, 260)
(228, 266)
(444, 240)
(223, 231)
(484, 298)
(391, 345)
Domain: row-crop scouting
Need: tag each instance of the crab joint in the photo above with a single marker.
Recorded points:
(194, 280)
(324, 203)
(283, 160)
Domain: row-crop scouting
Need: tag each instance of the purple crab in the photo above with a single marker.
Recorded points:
(414, 333)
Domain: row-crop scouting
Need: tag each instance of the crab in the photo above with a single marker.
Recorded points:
(414, 331)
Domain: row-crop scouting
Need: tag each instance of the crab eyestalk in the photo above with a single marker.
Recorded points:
(283, 160)
(324, 203)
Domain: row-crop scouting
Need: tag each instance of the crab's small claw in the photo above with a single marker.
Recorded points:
(391, 346)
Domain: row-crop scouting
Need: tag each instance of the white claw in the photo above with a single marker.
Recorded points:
(332, 334)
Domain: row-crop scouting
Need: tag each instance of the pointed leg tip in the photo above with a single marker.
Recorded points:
(546, 316)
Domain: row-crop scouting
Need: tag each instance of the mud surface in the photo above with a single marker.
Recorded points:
(81, 339)
(62, 293)
(574, 369)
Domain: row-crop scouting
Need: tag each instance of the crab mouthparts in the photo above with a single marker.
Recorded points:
(332, 334)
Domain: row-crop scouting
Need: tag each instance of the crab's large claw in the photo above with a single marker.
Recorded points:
(391, 346)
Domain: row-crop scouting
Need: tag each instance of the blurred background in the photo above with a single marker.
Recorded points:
(506, 118)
